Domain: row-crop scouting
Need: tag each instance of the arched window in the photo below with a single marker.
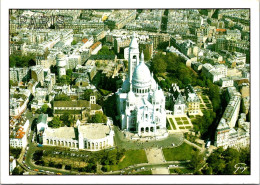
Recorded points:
(134, 57)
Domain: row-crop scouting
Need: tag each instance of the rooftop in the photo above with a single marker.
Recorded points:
(62, 132)
(78, 103)
(94, 131)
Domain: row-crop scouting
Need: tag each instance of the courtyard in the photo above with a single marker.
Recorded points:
(121, 142)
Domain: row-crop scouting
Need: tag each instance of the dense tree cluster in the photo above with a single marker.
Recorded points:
(102, 82)
(173, 69)
(45, 109)
(55, 123)
(15, 152)
(98, 118)
(22, 60)
(17, 171)
(203, 123)
(37, 156)
(67, 119)
(87, 94)
(197, 160)
(227, 162)
(105, 51)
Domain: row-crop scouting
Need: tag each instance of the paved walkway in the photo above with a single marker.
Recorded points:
(122, 142)
(161, 171)
(154, 156)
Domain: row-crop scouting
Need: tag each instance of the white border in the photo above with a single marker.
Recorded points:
(152, 179)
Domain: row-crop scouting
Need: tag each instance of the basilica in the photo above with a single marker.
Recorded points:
(140, 101)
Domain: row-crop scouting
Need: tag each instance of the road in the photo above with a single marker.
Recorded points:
(128, 170)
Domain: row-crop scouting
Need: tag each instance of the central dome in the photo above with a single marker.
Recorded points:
(141, 74)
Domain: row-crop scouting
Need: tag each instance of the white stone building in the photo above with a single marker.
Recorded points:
(226, 82)
(227, 135)
(18, 139)
(91, 137)
(215, 73)
(140, 102)
(192, 101)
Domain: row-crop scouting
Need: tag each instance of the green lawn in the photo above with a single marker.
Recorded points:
(168, 126)
(172, 123)
(208, 105)
(179, 123)
(186, 122)
(184, 118)
(181, 127)
(131, 157)
(179, 153)
(188, 127)
(177, 119)
(206, 101)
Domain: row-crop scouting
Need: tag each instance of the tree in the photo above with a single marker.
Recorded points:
(67, 119)
(74, 42)
(11, 83)
(196, 161)
(55, 123)
(105, 51)
(17, 171)
(54, 69)
(99, 118)
(125, 63)
(147, 56)
(159, 65)
(37, 156)
(44, 108)
(87, 94)
(69, 72)
(15, 152)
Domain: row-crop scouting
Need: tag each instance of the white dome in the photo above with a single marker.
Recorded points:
(141, 74)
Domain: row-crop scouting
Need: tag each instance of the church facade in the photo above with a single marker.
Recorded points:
(140, 101)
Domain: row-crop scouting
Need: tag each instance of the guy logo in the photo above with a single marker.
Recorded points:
(240, 166)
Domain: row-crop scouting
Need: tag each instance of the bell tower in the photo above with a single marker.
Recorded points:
(133, 59)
